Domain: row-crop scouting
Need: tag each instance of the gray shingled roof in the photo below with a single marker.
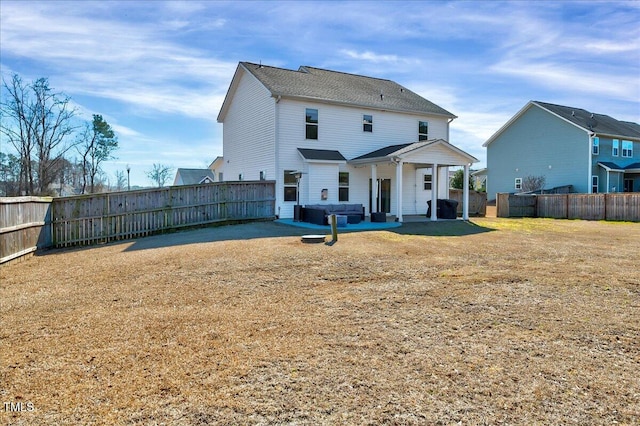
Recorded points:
(597, 123)
(321, 154)
(402, 149)
(383, 152)
(194, 176)
(633, 166)
(350, 89)
(610, 165)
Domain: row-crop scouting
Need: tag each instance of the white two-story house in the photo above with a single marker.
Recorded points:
(351, 138)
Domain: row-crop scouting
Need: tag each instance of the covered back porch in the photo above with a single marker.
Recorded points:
(410, 162)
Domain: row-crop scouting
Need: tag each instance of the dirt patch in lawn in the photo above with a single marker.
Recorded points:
(499, 321)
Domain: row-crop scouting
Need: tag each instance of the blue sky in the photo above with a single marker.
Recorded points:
(158, 71)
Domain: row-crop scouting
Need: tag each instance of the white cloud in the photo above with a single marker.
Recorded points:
(370, 56)
(566, 77)
(130, 63)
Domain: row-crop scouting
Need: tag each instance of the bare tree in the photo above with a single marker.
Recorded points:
(159, 174)
(38, 123)
(121, 180)
(533, 183)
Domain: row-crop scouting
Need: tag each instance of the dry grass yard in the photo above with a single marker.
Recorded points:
(501, 321)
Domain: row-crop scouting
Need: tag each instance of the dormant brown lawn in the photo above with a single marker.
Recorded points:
(500, 321)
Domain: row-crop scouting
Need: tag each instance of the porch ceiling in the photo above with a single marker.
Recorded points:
(435, 151)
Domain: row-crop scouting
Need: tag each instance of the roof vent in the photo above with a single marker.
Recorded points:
(381, 96)
(573, 113)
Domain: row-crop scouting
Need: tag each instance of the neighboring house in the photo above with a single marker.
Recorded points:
(193, 176)
(568, 146)
(216, 168)
(351, 138)
(479, 179)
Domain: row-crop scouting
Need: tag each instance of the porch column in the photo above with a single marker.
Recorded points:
(374, 188)
(399, 165)
(465, 193)
(434, 192)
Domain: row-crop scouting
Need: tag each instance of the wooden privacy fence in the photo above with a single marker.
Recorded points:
(30, 223)
(25, 226)
(618, 206)
(101, 218)
(477, 201)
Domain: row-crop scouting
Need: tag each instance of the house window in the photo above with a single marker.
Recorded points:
(311, 119)
(518, 184)
(343, 186)
(594, 184)
(423, 130)
(627, 149)
(367, 123)
(220, 177)
(615, 147)
(290, 186)
(428, 180)
(596, 146)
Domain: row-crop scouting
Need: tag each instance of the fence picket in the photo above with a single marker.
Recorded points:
(28, 223)
(618, 206)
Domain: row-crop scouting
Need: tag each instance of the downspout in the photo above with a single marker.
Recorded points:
(276, 152)
(590, 169)
(448, 126)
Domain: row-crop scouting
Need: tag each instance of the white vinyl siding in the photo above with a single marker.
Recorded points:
(342, 129)
(320, 176)
(249, 148)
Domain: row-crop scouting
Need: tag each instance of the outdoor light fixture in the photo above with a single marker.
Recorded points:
(128, 180)
(297, 210)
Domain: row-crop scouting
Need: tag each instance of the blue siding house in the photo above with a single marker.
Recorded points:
(567, 146)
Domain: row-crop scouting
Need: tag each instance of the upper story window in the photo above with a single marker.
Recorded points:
(596, 146)
(423, 130)
(367, 123)
(311, 119)
(627, 149)
(615, 147)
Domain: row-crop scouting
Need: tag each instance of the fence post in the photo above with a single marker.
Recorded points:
(334, 227)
